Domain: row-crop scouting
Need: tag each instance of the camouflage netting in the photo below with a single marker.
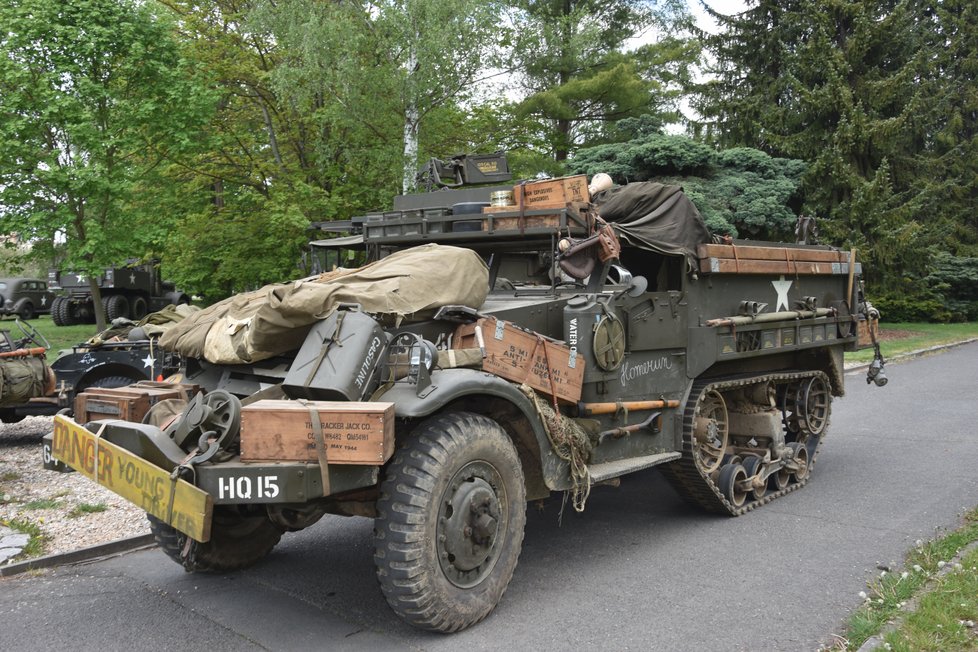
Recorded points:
(409, 284)
(570, 442)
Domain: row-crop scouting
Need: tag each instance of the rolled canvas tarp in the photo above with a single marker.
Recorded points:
(253, 326)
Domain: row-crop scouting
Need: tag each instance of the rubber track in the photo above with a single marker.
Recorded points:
(686, 477)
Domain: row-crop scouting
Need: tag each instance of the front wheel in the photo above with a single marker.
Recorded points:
(450, 521)
(239, 538)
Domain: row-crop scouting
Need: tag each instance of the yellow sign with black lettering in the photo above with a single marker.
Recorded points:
(178, 503)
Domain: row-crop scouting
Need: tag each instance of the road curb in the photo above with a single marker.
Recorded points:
(913, 354)
(91, 553)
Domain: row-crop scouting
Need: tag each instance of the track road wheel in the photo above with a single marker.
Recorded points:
(710, 431)
(780, 479)
(732, 475)
(753, 464)
(801, 459)
(450, 520)
(239, 538)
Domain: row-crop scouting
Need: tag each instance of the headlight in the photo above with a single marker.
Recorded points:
(410, 356)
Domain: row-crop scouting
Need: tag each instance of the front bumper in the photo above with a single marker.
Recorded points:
(138, 462)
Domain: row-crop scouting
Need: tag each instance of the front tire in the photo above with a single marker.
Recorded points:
(239, 538)
(450, 522)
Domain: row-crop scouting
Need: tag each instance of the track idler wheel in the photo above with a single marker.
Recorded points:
(813, 404)
(710, 432)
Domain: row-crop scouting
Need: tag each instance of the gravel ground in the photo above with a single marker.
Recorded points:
(24, 481)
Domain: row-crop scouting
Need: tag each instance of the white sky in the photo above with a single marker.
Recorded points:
(720, 6)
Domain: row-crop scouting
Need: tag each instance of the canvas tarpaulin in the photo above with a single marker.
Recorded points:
(257, 325)
(654, 216)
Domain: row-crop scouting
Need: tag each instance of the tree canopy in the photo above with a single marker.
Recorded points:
(213, 133)
(879, 98)
(95, 97)
(741, 192)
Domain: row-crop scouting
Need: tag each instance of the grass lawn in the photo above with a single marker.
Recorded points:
(902, 338)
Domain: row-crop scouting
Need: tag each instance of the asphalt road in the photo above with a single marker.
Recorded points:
(638, 570)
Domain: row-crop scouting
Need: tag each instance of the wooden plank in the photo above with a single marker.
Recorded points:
(727, 266)
(354, 432)
(178, 503)
(522, 357)
(529, 222)
(753, 252)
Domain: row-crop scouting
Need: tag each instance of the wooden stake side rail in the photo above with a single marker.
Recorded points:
(750, 259)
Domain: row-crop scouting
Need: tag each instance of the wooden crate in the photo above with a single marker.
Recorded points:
(751, 259)
(522, 356)
(866, 332)
(97, 404)
(354, 432)
(127, 403)
(551, 193)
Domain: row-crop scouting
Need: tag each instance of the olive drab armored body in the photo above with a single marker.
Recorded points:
(504, 343)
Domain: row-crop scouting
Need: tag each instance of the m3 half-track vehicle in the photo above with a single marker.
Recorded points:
(130, 292)
(489, 355)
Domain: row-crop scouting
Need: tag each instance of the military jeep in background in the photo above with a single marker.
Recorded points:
(131, 291)
(607, 334)
(29, 386)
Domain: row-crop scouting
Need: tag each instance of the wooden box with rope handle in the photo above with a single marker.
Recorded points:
(524, 356)
(342, 432)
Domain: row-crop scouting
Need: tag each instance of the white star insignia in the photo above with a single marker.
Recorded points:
(80, 277)
(44, 301)
(132, 279)
(782, 287)
(149, 361)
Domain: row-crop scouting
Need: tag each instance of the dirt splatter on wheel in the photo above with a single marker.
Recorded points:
(450, 519)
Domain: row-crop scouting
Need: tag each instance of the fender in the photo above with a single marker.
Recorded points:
(449, 385)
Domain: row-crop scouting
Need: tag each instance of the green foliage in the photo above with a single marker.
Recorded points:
(38, 541)
(947, 293)
(43, 503)
(948, 597)
(881, 99)
(81, 509)
(740, 192)
(577, 79)
(375, 76)
(94, 95)
(956, 279)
